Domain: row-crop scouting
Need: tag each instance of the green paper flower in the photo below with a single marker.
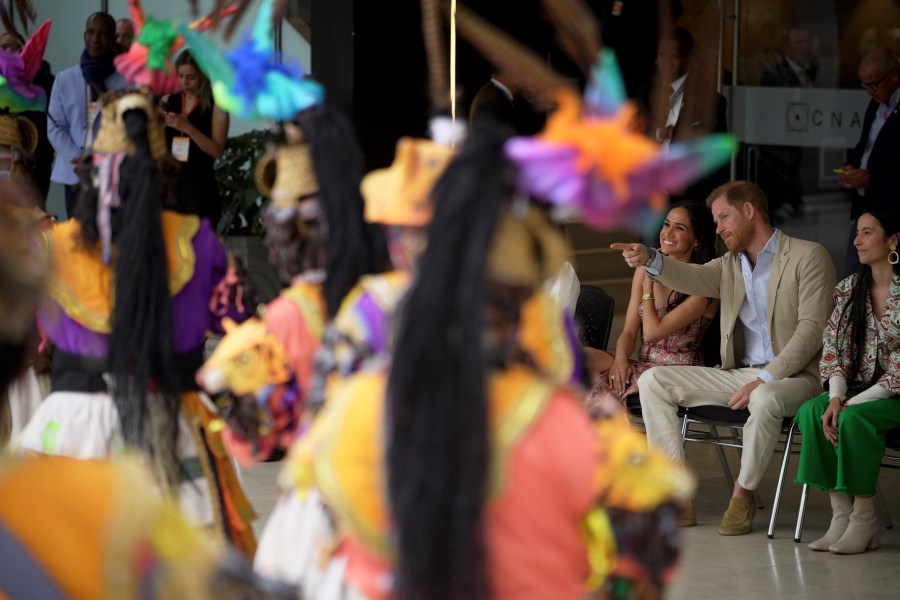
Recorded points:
(158, 37)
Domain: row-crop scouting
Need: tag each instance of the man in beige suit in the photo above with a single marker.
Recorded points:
(775, 296)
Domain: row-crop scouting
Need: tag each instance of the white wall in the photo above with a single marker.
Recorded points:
(65, 44)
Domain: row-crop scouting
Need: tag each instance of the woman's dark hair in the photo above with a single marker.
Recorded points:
(140, 344)
(890, 222)
(204, 87)
(439, 450)
(354, 248)
(704, 230)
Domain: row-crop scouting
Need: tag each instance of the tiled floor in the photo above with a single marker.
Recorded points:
(753, 566)
(750, 566)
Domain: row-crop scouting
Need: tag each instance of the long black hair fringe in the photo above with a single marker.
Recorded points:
(354, 247)
(439, 448)
(141, 347)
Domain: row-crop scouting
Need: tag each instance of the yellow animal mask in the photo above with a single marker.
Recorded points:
(632, 476)
(248, 359)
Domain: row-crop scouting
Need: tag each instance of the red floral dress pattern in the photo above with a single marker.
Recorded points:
(679, 348)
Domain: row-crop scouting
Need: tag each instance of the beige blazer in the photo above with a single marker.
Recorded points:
(798, 305)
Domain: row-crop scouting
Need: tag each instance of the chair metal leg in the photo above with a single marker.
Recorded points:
(759, 501)
(885, 513)
(776, 504)
(684, 428)
(720, 451)
(801, 512)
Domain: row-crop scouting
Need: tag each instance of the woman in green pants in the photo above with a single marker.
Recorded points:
(843, 431)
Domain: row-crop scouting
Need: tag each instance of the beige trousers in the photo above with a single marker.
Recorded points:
(664, 389)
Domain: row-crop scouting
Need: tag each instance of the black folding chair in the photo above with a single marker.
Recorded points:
(713, 417)
(594, 316)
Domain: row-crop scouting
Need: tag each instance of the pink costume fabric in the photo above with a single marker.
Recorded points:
(300, 340)
(533, 529)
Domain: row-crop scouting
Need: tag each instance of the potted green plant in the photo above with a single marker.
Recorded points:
(241, 222)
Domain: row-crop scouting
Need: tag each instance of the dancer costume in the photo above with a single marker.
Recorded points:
(317, 238)
(80, 417)
(292, 325)
(343, 531)
(399, 198)
(91, 528)
(18, 142)
(358, 334)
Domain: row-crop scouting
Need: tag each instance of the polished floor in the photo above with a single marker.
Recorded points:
(753, 566)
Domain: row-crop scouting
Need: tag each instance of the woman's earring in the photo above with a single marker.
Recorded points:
(893, 257)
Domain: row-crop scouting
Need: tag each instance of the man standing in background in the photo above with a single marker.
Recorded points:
(75, 101)
(798, 66)
(684, 106)
(124, 35)
(871, 171)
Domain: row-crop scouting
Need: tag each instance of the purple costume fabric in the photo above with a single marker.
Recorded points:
(191, 314)
(376, 322)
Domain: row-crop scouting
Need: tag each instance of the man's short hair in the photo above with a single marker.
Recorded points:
(738, 192)
(104, 16)
(882, 58)
(683, 37)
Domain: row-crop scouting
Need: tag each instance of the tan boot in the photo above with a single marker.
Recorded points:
(840, 518)
(738, 519)
(687, 516)
(862, 533)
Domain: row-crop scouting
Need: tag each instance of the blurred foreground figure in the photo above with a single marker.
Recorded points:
(133, 292)
(23, 265)
(100, 529)
(431, 474)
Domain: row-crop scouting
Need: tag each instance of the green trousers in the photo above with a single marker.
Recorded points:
(852, 466)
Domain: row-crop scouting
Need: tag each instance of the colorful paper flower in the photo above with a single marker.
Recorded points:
(589, 159)
(251, 81)
(17, 71)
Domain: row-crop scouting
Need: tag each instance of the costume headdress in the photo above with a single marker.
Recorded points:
(400, 194)
(148, 61)
(296, 178)
(125, 177)
(113, 145)
(251, 81)
(312, 166)
(18, 135)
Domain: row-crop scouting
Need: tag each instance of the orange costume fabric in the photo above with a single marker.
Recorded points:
(98, 529)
